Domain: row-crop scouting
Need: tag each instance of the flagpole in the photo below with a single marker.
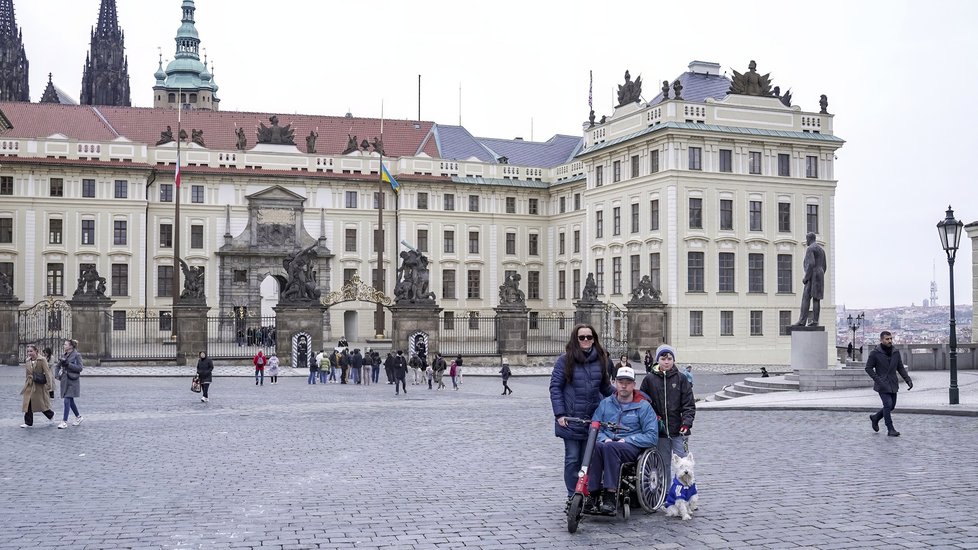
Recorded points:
(176, 222)
(379, 238)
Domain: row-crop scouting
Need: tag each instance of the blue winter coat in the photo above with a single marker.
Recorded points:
(578, 399)
(639, 425)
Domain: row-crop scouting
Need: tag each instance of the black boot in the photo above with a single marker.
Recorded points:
(875, 421)
(892, 432)
(609, 502)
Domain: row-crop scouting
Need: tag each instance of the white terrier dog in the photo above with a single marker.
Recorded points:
(682, 499)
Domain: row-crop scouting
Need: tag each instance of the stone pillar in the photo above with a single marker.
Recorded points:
(292, 318)
(512, 326)
(410, 318)
(9, 331)
(646, 328)
(809, 348)
(91, 325)
(590, 313)
(191, 325)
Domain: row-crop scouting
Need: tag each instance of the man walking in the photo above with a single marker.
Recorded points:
(883, 365)
(400, 373)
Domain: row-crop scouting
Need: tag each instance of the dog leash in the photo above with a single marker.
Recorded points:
(686, 445)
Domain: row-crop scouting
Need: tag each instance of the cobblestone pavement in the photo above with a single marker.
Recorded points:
(344, 466)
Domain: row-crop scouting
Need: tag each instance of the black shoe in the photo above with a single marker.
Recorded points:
(875, 421)
(609, 502)
(591, 502)
(892, 432)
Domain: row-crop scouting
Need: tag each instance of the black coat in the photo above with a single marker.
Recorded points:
(356, 360)
(883, 368)
(672, 399)
(400, 367)
(205, 369)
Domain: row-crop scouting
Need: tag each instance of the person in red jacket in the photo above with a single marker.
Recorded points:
(260, 361)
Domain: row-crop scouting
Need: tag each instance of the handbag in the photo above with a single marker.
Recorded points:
(39, 378)
(195, 384)
(72, 375)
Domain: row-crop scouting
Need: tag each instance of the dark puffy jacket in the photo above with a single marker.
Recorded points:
(883, 368)
(672, 399)
(205, 370)
(579, 398)
(356, 360)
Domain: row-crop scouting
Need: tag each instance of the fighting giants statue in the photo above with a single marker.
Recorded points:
(6, 288)
(90, 284)
(301, 284)
(510, 293)
(413, 278)
(590, 292)
(814, 282)
(193, 282)
(645, 292)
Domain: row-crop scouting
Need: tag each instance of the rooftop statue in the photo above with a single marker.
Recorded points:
(378, 145)
(630, 92)
(665, 90)
(823, 103)
(677, 89)
(351, 145)
(311, 141)
(197, 136)
(275, 134)
(166, 136)
(751, 83)
(183, 134)
(242, 141)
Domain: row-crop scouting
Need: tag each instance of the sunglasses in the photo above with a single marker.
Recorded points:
(585, 337)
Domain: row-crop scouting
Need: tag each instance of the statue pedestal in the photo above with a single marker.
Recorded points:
(512, 326)
(9, 334)
(809, 348)
(590, 313)
(296, 318)
(91, 325)
(646, 328)
(191, 325)
(409, 319)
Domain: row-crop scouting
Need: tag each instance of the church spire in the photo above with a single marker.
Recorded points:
(187, 83)
(106, 76)
(14, 68)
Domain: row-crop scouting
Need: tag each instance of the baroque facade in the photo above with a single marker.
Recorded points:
(711, 194)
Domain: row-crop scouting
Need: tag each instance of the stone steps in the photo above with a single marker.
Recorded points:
(755, 385)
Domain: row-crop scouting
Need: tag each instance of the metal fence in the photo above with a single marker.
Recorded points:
(235, 336)
(547, 335)
(142, 334)
(46, 324)
(470, 335)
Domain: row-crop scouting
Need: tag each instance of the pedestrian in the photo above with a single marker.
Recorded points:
(48, 352)
(344, 360)
(38, 387)
(764, 373)
(648, 361)
(622, 362)
(331, 362)
(389, 368)
(882, 366)
(506, 373)
(205, 374)
(324, 369)
(365, 369)
(69, 375)
(673, 402)
(399, 365)
(440, 366)
(458, 368)
(689, 374)
(260, 360)
(356, 366)
(417, 369)
(850, 350)
(453, 372)
(375, 367)
(273, 368)
(313, 369)
(577, 384)
(429, 374)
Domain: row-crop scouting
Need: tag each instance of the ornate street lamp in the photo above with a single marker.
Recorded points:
(950, 232)
(854, 324)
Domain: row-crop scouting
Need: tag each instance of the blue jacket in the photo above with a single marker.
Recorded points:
(638, 422)
(578, 399)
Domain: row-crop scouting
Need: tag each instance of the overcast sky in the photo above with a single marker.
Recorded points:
(898, 76)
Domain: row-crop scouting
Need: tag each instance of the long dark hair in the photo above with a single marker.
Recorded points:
(576, 356)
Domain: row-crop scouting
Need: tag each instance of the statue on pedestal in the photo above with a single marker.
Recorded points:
(814, 282)
(90, 284)
(630, 92)
(193, 282)
(413, 276)
(301, 284)
(646, 292)
(751, 83)
(6, 289)
(590, 292)
(166, 136)
(275, 134)
(509, 291)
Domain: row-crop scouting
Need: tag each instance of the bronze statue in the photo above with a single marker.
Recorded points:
(677, 89)
(193, 282)
(275, 134)
(351, 145)
(646, 292)
(242, 140)
(197, 136)
(378, 145)
(751, 83)
(413, 275)
(90, 284)
(665, 90)
(509, 291)
(629, 92)
(823, 102)
(301, 284)
(311, 141)
(814, 282)
(590, 292)
(6, 289)
(166, 136)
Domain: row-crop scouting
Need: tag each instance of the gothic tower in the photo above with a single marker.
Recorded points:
(186, 81)
(14, 67)
(106, 76)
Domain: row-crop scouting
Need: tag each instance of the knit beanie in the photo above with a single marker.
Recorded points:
(664, 348)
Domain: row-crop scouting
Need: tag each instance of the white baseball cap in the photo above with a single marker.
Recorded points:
(626, 372)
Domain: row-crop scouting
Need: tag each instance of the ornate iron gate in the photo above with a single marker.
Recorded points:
(45, 324)
(614, 333)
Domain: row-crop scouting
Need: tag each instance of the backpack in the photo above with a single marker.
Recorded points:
(261, 360)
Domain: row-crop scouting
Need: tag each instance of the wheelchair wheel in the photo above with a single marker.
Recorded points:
(574, 512)
(650, 481)
(626, 509)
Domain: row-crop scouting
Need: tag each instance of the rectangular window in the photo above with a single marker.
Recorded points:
(811, 218)
(57, 187)
(473, 203)
(533, 285)
(510, 205)
(726, 214)
(166, 192)
(55, 231)
(197, 237)
(616, 220)
(754, 164)
(166, 235)
(635, 228)
(784, 321)
(635, 266)
(7, 185)
(120, 232)
(616, 171)
(755, 216)
(423, 240)
(599, 275)
(577, 241)
(350, 199)
(88, 232)
(6, 230)
(598, 176)
(811, 167)
(695, 266)
(695, 158)
(474, 280)
(726, 160)
(88, 188)
(726, 323)
(534, 320)
(755, 272)
(562, 205)
(784, 274)
(119, 319)
(696, 213)
(121, 189)
(599, 223)
(379, 198)
(449, 202)
(756, 323)
(561, 243)
(422, 201)
(616, 275)
(784, 164)
(784, 217)
(240, 276)
(577, 201)
(634, 173)
(654, 215)
(576, 286)
(449, 240)
(696, 323)
(348, 274)
(449, 320)
(653, 161)
(197, 194)
(164, 281)
(726, 269)
(166, 321)
(534, 244)
(56, 279)
(655, 272)
(534, 208)
(120, 279)
(474, 242)
(448, 284)
(562, 285)
(511, 243)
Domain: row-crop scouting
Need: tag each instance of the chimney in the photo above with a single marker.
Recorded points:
(704, 67)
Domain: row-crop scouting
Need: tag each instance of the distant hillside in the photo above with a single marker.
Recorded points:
(909, 325)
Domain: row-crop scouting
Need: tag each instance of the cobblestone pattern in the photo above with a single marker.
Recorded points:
(344, 466)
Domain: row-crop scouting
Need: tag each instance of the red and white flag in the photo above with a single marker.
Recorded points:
(176, 178)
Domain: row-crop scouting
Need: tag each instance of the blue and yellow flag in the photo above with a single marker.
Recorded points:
(386, 176)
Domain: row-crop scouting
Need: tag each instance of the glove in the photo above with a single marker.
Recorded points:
(684, 430)
(909, 384)
(51, 394)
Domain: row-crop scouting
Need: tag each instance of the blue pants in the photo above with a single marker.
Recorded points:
(260, 375)
(668, 446)
(573, 456)
(606, 463)
(322, 377)
(312, 377)
(889, 403)
(70, 403)
(375, 373)
(355, 375)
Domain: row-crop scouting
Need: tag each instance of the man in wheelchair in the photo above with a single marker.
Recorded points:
(638, 430)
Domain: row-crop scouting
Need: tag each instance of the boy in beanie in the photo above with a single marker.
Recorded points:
(672, 399)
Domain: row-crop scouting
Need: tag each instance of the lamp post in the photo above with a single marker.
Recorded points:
(854, 324)
(950, 231)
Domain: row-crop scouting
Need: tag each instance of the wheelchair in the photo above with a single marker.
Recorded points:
(642, 481)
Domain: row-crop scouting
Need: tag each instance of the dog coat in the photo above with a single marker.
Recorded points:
(678, 491)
